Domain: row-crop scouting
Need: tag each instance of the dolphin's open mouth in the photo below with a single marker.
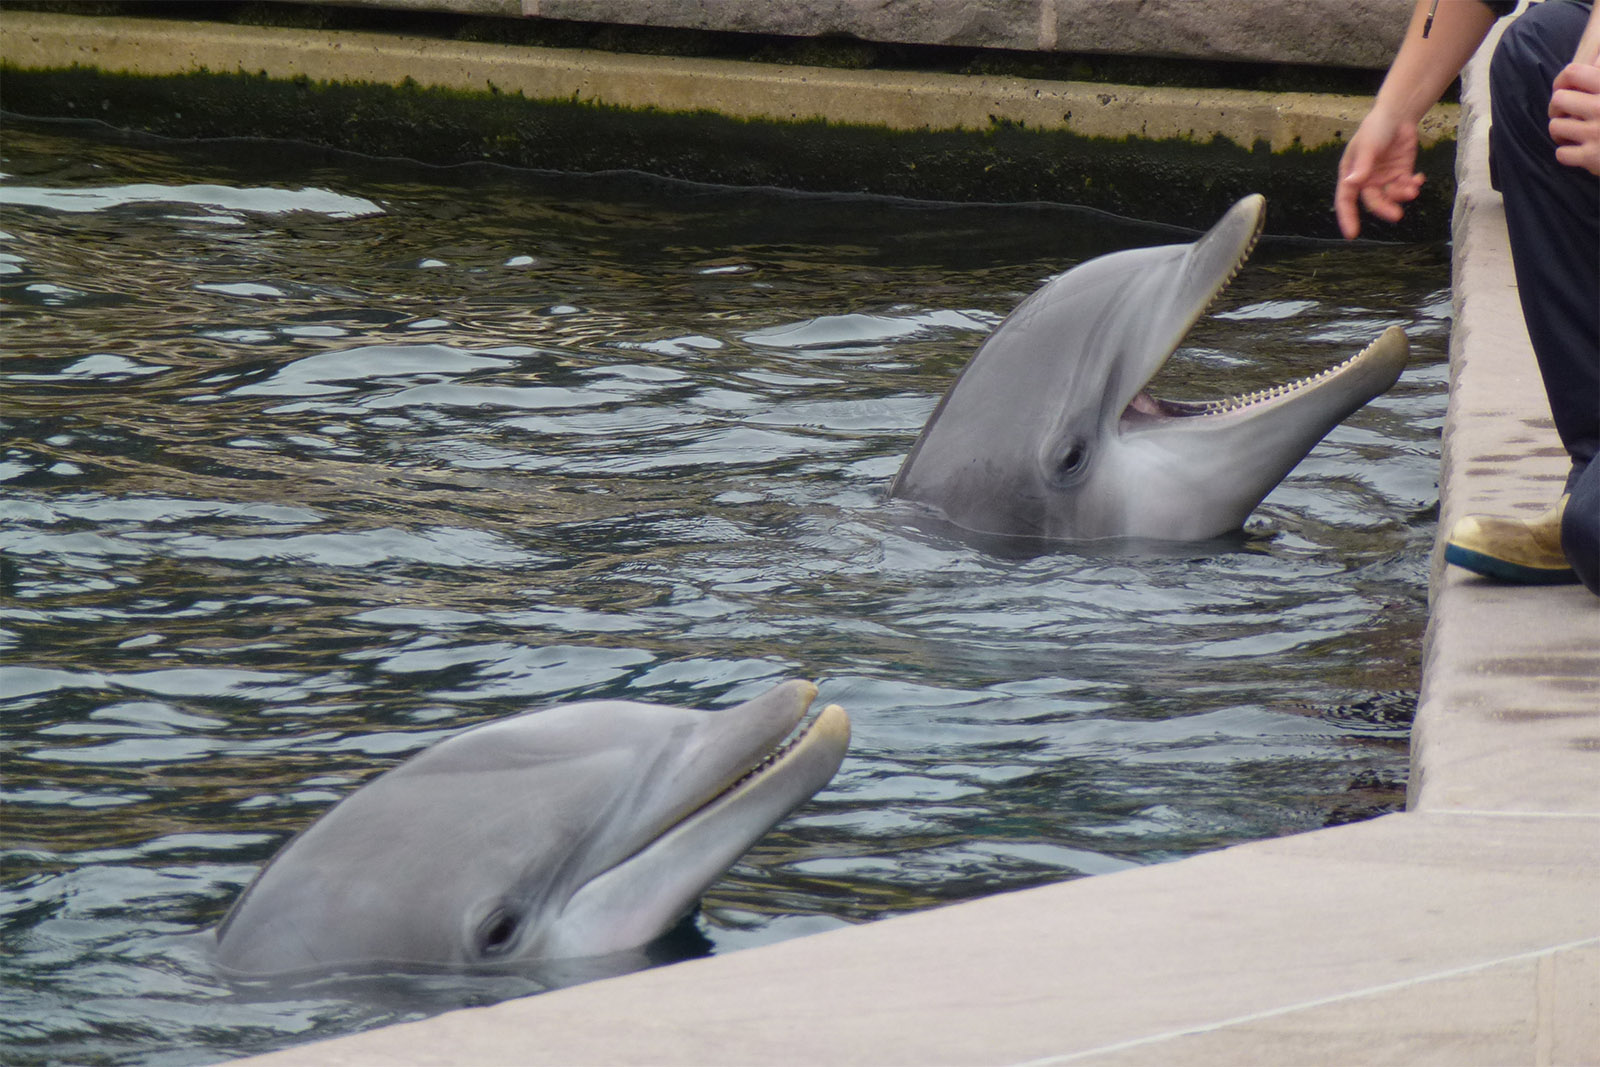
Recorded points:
(1146, 406)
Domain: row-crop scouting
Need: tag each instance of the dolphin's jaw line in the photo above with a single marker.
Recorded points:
(1147, 409)
(1238, 263)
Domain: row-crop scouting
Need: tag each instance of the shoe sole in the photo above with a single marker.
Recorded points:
(1505, 570)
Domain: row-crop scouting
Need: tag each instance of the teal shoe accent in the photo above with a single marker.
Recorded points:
(1505, 570)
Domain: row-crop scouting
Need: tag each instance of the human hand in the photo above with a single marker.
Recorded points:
(1378, 168)
(1575, 116)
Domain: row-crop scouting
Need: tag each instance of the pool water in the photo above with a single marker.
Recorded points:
(311, 460)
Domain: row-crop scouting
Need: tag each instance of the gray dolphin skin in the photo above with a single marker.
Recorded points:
(1048, 431)
(577, 831)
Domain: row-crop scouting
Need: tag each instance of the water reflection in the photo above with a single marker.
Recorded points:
(305, 473)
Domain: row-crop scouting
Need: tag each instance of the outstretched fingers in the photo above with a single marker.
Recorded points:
(1377, 172)
(1383, 195)
(1345, 195)
(1388, 199)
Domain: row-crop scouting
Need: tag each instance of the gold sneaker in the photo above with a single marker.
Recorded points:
(1521, 551)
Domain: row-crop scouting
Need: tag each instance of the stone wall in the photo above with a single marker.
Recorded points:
(1331, 33)
(451, 89)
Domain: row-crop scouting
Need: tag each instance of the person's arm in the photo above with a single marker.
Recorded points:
(1575, 104)
(1378, 166)
(1425, 66)
(1589, 44)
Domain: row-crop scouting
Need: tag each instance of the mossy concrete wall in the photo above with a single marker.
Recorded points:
(1171, 154)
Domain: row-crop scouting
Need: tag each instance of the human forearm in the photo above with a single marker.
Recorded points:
(1378, 168)
(1425, 66)
(1589, 44)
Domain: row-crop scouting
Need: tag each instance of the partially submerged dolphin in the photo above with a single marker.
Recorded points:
(1048, 432)
(582, 830)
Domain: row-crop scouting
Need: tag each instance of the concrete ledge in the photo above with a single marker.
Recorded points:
(1509, 711)
(1377, 942)
(1165, 155)
(892, 100)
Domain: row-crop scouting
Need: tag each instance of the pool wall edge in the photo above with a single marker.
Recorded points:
(1161, 154)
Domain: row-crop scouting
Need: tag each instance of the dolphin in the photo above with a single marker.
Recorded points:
(1048, 432)
(578, 831)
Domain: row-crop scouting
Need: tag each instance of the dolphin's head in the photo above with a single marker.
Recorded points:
(1048, 431)
(578, 831)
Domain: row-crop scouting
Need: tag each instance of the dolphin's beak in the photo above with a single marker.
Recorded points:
(1215, 259)
(813, 753)
(685, 860)
(792, 765)
(770, 749)
(1192, 283)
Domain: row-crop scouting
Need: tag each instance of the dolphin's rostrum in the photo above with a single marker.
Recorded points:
(1048, 431)
(577, 831)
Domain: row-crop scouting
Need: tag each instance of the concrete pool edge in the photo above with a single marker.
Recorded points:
(896, 100)
(925, 135)
(1338, 946)
(1462, 931)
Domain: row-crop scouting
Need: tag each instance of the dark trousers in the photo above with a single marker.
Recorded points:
(1553, 219)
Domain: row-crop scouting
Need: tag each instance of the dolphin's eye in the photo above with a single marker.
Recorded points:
(498, 932)
(1071, 461)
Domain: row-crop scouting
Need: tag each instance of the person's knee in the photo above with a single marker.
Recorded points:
(1534, 48)
(1518, 95)
(1548, 33)
(1508, 64)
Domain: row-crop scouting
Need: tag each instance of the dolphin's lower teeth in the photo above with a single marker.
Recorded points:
(1180, 409)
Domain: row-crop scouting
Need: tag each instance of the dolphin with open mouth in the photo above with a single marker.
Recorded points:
(578, 831)
(1049, 432)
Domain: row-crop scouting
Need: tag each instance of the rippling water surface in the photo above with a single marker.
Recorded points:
(310, 461)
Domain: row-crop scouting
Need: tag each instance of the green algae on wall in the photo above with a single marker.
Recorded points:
(1178, 181)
